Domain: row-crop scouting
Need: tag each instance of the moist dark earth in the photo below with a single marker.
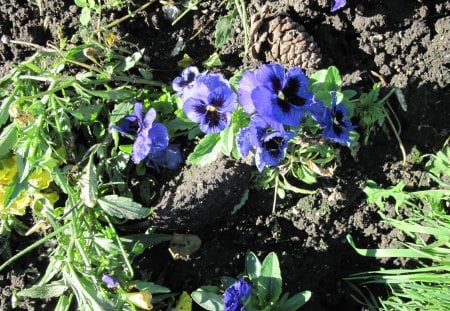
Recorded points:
(405, 42)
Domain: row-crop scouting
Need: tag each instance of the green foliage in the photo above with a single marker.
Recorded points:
(427, 227)
(224, 28)
(266, 282)
(62, 166)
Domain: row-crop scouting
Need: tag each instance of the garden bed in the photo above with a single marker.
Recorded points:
(402, 43)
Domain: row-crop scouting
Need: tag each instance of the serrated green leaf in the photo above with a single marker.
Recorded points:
(88, 184)
(45, 291)
(120, 111)
(224, 29)
(122, 207)
(206, 151)
(87, 113)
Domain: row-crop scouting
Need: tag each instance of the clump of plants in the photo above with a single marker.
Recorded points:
(81, 125)
(258, 288)
(427, 228)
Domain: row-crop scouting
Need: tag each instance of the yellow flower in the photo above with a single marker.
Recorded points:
(8, 170)
(52, 197)
(142, 299)
(40, 179)
(18, 207)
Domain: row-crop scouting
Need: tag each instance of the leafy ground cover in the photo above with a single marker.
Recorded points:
(73, 70)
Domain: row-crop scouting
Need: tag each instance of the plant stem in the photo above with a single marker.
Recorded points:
(119, 242)
(33, 246)
(277, 178)
(402, 148)
(130, 15)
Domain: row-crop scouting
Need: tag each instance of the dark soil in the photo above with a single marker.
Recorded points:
(404, 41)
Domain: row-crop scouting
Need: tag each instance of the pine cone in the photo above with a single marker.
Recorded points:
(278, 38)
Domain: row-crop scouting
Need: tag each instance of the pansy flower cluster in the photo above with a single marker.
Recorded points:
(276, 100)
(235, 295)
(151, 143)
(208, 99)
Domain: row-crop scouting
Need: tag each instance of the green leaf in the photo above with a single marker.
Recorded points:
(227, 140)
(208, 300)
(86, 112)
(45, 291)
(129, 62)
(224, 29)
(252, 266)
(127, 149)
(151, 287)
(120, 111)
(85, 16)
(122, 207)
(213, 61)
(206, 151)
(4, 110)
(295, 302)
(8, 139)
(88, 184)
(326, 80)
(269, 283)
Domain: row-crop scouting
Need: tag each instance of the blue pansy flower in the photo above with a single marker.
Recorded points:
(186, 80)
(210, 102)
(279, 96)
(111, 281)
(235, 295)
(268, 145)
(337, 4)
(336, 126)
(150, 137)
(170, 158)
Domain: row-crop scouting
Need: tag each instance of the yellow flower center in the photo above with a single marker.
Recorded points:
(211, 108)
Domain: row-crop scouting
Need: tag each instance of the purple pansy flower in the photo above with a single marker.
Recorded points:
(278, 96)
(150, 137)
(111, 281)
(333, 120)
(235, 295)
(169, 158)
(268, 145)
(210, 103)
(337, 4)
(186, 80)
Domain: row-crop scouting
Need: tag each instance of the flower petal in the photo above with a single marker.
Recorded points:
(149, 118)
(223, 99)
(186, 79)
(247, 84)
(159, 137)
(287, 114)
(141, 148)
(297, 84)
(337, 4)
(215, 122)
(271, 76)
(244, 141)
(195, 109)
(138, 113)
